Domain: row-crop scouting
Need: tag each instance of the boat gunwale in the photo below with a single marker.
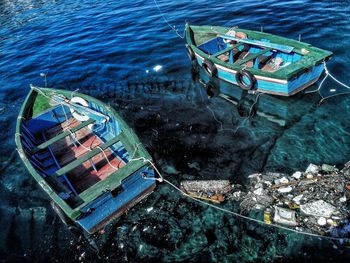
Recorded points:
(99, 188)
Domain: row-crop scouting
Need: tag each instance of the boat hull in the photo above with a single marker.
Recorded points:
(271, 85)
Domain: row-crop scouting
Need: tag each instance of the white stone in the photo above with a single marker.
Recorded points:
(318, 208)
(330, 222)
(284, 180)
(297, 199)
(284, 216)
(322, 221)
(285, 189)
(312, 168)
(309, 176)
(297, 175)
(268, 183)
(342, 199)
(259, 191)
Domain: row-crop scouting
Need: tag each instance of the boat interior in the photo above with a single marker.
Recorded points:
(249, 53)
(71, 154)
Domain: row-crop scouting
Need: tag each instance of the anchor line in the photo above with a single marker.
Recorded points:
(167, 22)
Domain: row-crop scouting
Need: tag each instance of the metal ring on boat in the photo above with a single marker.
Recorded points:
(190, 52)
(76, 115)
(209, 68)
(246, 85)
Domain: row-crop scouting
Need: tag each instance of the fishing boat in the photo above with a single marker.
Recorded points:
(254, 60)
(83, 155)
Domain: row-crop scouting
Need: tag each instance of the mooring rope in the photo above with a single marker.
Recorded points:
(167, 22)
(328, 74)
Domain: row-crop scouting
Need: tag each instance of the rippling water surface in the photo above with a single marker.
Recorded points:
(108, 49)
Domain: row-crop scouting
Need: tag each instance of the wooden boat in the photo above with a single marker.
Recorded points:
(82, 155)
(255, 60)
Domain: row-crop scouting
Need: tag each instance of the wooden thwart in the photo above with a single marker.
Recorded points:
(252, 56)
(61, 136)
(69, 167)
(227, 49)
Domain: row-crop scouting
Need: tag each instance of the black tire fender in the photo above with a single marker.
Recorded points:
(242, 84)
(209, 68)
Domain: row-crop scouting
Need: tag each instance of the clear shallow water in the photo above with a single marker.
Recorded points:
(104, 48)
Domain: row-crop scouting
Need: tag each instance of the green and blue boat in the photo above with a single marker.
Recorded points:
(254, 60)
(83, 155)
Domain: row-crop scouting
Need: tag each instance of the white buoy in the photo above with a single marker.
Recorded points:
(157, 68)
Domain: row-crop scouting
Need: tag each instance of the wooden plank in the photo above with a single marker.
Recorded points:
(226, 50)
(252, 56)
(89, 155)
(283, 48)
(61, 136)
(112, 181)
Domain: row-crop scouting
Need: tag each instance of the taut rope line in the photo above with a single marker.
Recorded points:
(167, 22)
(328, 74)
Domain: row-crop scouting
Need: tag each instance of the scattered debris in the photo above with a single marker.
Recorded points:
(211, 190)
(317, 208)
(216, 186)
(312, 168)
(284, 216)
(316, 200)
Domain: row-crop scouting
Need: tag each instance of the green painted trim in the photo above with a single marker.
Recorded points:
(62, 135)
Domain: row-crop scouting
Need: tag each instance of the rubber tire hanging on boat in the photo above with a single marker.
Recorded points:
(190, 52)
(241, 83)
(64, 218)
(209, 68)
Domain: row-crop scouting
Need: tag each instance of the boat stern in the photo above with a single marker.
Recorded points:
(113, 203)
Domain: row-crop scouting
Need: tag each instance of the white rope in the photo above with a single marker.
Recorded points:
(328, 74)
(167, 22)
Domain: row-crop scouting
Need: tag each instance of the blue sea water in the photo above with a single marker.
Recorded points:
(109, 49)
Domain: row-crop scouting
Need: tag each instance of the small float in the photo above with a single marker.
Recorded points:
(256, 60)
(83, 155)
